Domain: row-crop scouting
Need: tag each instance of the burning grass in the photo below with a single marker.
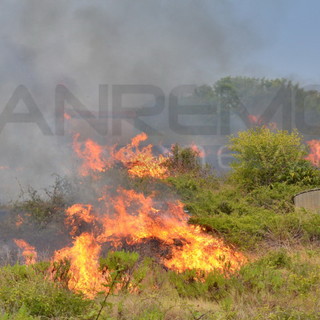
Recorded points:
(118, 214)
(122, 218)
(280, 284)
(132, 250)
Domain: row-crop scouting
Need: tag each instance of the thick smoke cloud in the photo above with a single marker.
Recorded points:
(82, 44)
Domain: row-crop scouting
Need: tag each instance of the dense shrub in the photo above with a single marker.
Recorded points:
(182, 160)
(264, 157)
(25, 290)
(48, 205)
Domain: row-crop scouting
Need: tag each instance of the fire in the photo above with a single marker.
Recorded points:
(84, 265)
(196, 149)
(256, 120)
(126, 217)
(66, 116)
(91, 154)
(19, 221)
(29, 253)
(139, 161)
(314, 155)
(78, 213)
(137, 218)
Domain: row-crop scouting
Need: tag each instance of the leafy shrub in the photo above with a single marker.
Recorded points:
(117, 259)
(23, 288)
(43, 208)
(264, 157)
(183, 160)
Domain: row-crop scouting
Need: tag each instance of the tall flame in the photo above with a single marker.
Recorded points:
(92, 155)
(84, 265)
(78, 213)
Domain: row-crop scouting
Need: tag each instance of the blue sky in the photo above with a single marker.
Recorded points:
(289, 36)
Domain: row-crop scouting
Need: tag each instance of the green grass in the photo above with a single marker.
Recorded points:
(25, 290)
(280, 281)
(283, 284)
(265, 215)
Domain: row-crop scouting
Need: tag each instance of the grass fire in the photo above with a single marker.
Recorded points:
(120, 215)
(133, 227)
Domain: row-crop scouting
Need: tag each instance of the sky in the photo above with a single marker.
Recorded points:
(165, 43)
(289, 35)
(159, 42)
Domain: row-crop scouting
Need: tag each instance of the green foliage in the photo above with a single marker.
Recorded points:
(43, 208)
(25, 291)
(183, 160)
(252, 209)
(21, 314)
(117, 259)
(264, 157)
(279, 283)
(235, 92)
(246, 219)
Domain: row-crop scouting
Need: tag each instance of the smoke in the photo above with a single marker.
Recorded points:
(82, 44)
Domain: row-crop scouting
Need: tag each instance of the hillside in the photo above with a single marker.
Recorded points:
(162, 237)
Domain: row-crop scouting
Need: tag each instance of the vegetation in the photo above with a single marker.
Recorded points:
(265, 157)
(283, 284)
(251, 208)
(48, 205)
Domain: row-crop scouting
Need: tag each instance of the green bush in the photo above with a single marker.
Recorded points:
(246, 218)
(23, 289)
(119, 259)
(264, 157)
(43, 207)
(183, 160)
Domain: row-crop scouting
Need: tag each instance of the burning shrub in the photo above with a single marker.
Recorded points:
(183, 160)
(265, 157)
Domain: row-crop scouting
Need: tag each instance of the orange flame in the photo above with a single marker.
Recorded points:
(258, 121)
(67, 116)
(196, 149)
(135, 218)
(78, 213)
(84, 265)
(195, 249)
(19, 221)
(29, 253)
(91, 154)
(254, 119)
(139, 161)
(314, 155)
